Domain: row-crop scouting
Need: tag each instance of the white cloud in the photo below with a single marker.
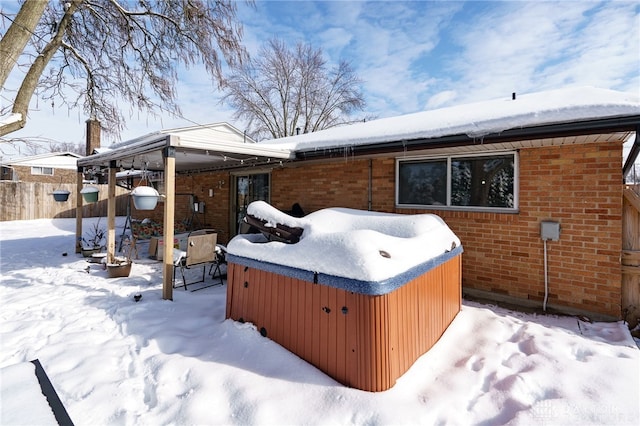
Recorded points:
(417, 55)
(440, 99)
(389, 39)
(527, 46)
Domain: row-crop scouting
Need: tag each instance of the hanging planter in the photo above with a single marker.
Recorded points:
(61, 195)
(145, 197)
(90, 194)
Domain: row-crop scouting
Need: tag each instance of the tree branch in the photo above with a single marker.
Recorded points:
(28, 87)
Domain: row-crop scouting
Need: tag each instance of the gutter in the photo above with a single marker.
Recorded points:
(606, 125)
(633, 155)
(104, 158)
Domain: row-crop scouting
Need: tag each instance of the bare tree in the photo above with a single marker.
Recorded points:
(100, 53)
(68, 147)
(283, 90)
(34, 145)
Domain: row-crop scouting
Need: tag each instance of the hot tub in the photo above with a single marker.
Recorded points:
(365, 333)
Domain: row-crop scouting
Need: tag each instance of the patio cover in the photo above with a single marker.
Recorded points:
(214, 147)
(197, 149)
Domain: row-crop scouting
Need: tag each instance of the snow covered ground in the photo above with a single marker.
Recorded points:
(154, 362)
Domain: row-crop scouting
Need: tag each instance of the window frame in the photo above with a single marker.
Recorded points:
(448, 159)
(42, 171)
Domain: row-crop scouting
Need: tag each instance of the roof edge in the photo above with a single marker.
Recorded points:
(116, 154)
(605, 125)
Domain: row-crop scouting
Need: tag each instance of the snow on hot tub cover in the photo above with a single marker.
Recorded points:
(362, 251)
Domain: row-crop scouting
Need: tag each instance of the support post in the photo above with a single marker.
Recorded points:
(79, 180)
(169, 214)
(111, 213)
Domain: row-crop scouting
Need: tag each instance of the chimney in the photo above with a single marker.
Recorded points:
(93, 136)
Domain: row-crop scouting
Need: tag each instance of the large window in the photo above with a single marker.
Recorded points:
(473, 181)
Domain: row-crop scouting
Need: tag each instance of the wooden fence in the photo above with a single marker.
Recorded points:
(631, 254)
(32, 200)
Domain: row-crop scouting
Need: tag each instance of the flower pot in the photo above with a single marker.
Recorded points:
(118, 270)
(90, 194)
(61, 195)
(145, 197)
(90, 251)
(97, 258)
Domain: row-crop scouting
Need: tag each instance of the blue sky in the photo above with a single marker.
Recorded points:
(419, 55)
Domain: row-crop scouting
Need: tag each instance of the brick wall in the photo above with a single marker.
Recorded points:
(316, 186)
(216, 211)
(578, 186)
(59, 175)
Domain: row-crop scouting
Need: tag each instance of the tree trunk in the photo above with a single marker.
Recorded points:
(31, 79)
(15, 39)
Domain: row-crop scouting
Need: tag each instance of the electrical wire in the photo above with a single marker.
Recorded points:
(546, 278)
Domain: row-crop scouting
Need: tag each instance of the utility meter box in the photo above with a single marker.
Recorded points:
(549, 230)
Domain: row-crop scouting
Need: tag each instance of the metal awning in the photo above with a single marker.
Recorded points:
(192, 153)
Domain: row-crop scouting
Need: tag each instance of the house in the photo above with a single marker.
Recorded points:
(532, 184)
(54, 167)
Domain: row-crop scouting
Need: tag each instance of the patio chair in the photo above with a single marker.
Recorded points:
(221, 259)
(201, 251)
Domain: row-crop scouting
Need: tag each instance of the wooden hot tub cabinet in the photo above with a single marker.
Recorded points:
(364, 335)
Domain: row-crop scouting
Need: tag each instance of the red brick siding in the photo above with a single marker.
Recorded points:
(578, 186)
(216, 212)
(316, 186)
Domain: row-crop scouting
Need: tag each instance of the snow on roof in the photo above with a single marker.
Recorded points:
(202, 146)
(356, 244)
(476, 119)
(59, 160)
(100, 149)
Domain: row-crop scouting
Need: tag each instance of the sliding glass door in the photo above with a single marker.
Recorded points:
(248, 188)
